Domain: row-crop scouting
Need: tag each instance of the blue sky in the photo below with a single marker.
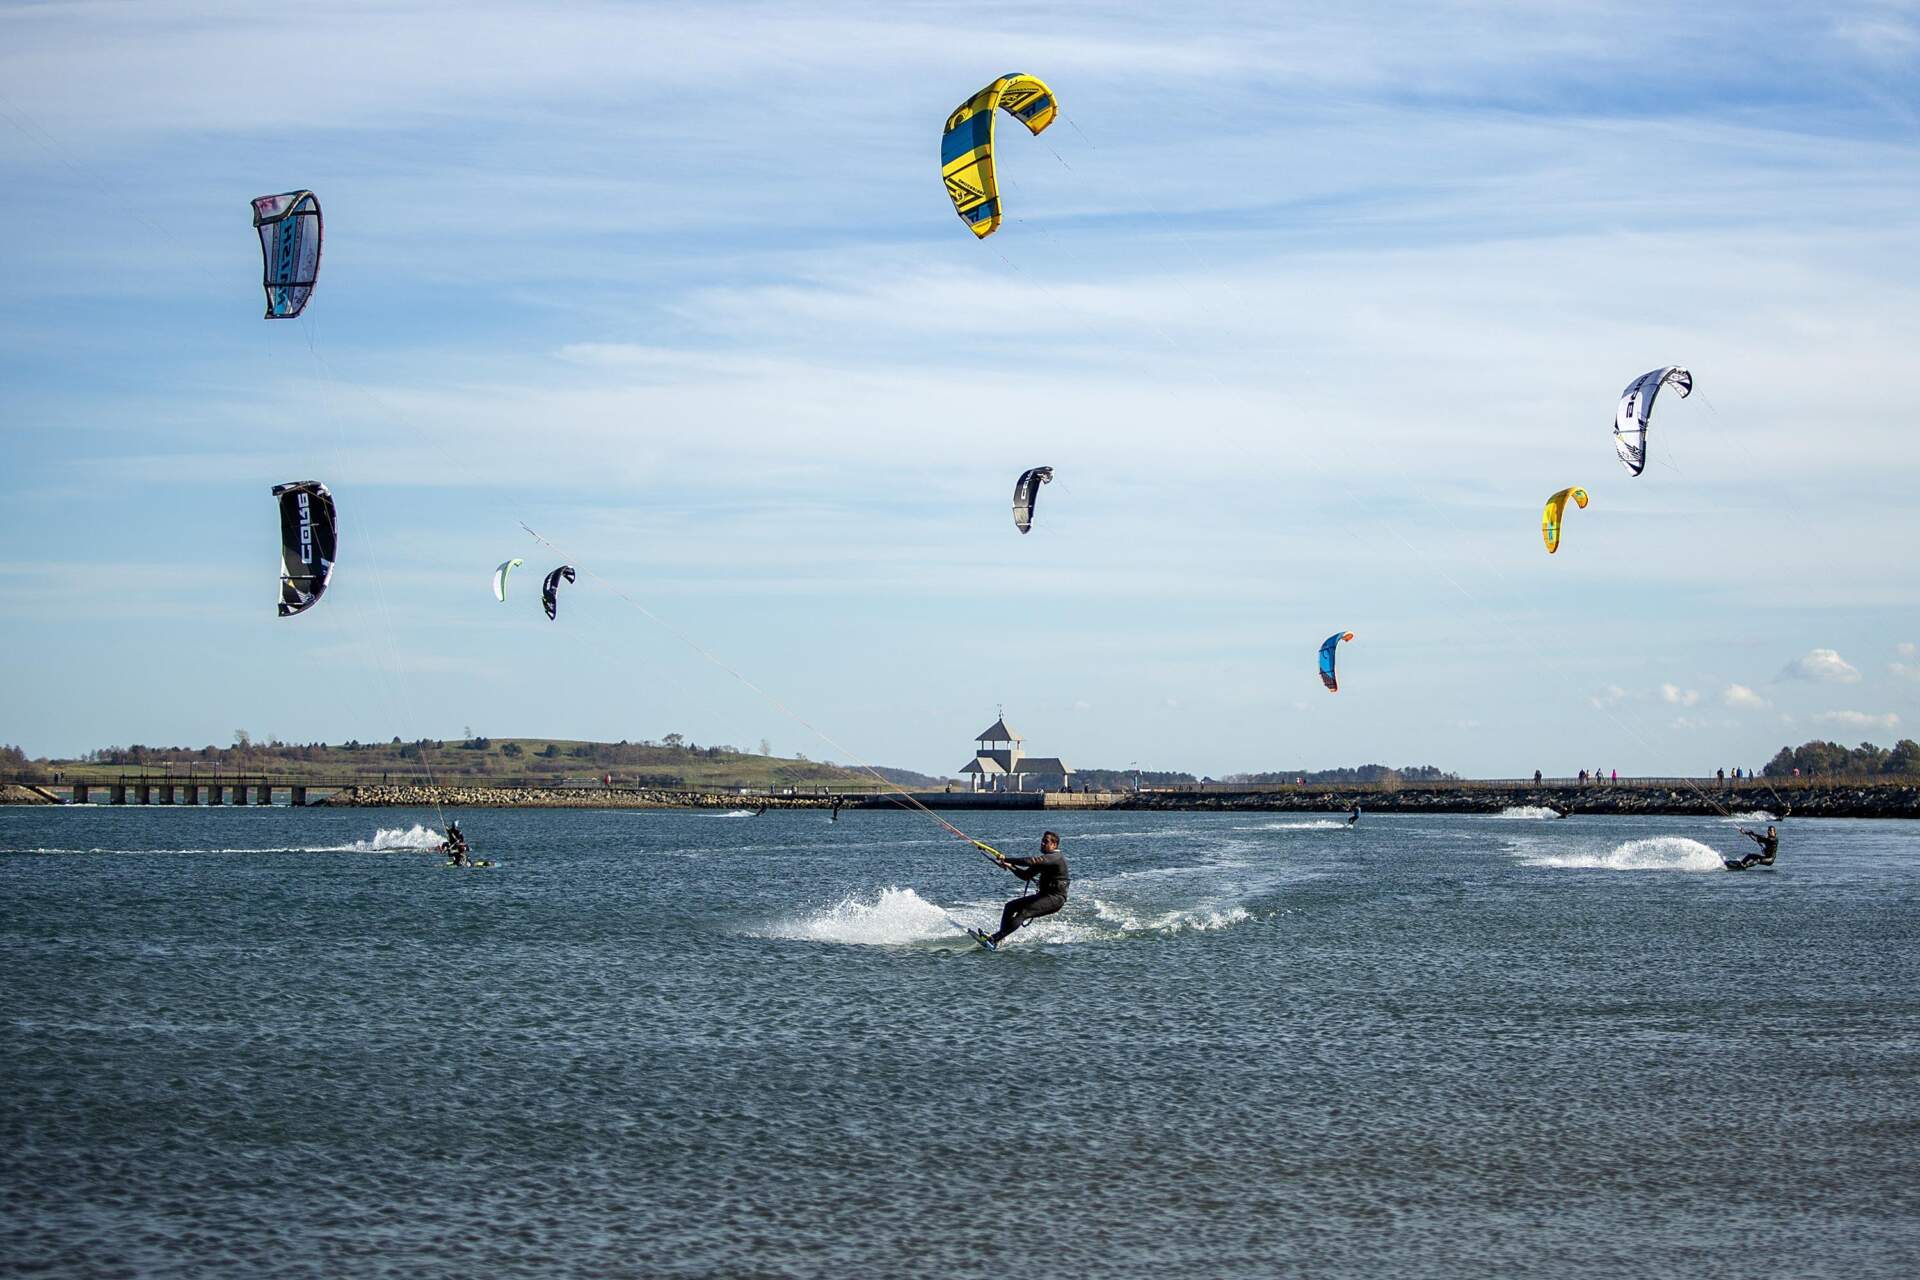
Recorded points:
(1310, 307)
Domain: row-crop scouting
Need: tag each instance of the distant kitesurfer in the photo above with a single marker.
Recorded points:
(761, 812)
(1049, 868)
(1563, 811)
(836, 808)
(1763, 857)
(1353, 814)
(455, 845)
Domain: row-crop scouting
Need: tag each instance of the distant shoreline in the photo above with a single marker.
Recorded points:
(1706, 798)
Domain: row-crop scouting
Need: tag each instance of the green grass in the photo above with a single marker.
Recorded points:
(484, 761)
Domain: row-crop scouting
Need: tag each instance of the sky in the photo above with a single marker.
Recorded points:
(1310, 307)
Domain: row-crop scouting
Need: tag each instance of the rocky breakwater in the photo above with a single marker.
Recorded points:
(1862, 800)
(386, 796)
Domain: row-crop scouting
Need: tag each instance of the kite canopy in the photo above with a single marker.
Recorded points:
(500, 577)
(1326, 659)
(1026, 495)
(550, 590)
(1636, 406)
(307, 542)
(289, 227)
(1556, 507)
(966, 146)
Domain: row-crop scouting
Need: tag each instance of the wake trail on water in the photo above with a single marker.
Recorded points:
(731, 813)
(1314, 824)
(897, 917)
(900, 917)
(1526, 811)
(1184, 920)
(1752, 815)
(1657, 853)
(415, 839)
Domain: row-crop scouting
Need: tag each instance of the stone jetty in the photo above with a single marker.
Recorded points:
(1802, 798)
(377, 797)
(1843, 800)
(1839, 800)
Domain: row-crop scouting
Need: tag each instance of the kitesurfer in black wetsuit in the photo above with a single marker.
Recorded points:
(1353, 815)
(455, 846)
(836, 808)
(1049, 870)
(1769, 847)
(1562, 811)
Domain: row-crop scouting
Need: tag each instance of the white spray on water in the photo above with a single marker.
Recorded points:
(895, 918)
(1314, 824)
(1657, 853)
(414, 839)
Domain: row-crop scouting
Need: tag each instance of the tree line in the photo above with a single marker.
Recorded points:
(1830, 759)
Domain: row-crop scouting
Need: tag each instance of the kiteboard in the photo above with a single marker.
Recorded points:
(469, 865)
(978, 935)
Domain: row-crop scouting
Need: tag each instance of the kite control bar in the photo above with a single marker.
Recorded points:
(999, 858)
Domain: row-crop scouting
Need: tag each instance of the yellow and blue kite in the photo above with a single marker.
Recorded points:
(1556, 510)
(966, 147)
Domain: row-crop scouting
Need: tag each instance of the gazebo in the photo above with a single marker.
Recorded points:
(998, 764)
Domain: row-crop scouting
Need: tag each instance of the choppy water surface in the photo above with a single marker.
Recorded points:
(245, 1042)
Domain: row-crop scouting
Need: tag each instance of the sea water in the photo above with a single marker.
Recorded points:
(249, 1042)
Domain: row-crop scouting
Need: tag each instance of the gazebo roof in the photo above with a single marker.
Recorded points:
(983, 764)
(997, 732)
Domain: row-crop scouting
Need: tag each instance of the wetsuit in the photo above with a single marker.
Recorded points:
(1048, 896)
(1769, 847)
(1353, 815)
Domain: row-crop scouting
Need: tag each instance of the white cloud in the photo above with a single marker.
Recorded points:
(1858, 719)
(737, 404)
(1610, 696)
(1883, 38)
(1907, 649)
(1825, 666)
(1743, 698)
(1679, 697)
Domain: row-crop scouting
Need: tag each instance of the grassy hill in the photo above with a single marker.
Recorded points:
(481, 761)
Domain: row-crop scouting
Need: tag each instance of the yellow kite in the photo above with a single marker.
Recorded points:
(1550, 518)
(966, 148)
